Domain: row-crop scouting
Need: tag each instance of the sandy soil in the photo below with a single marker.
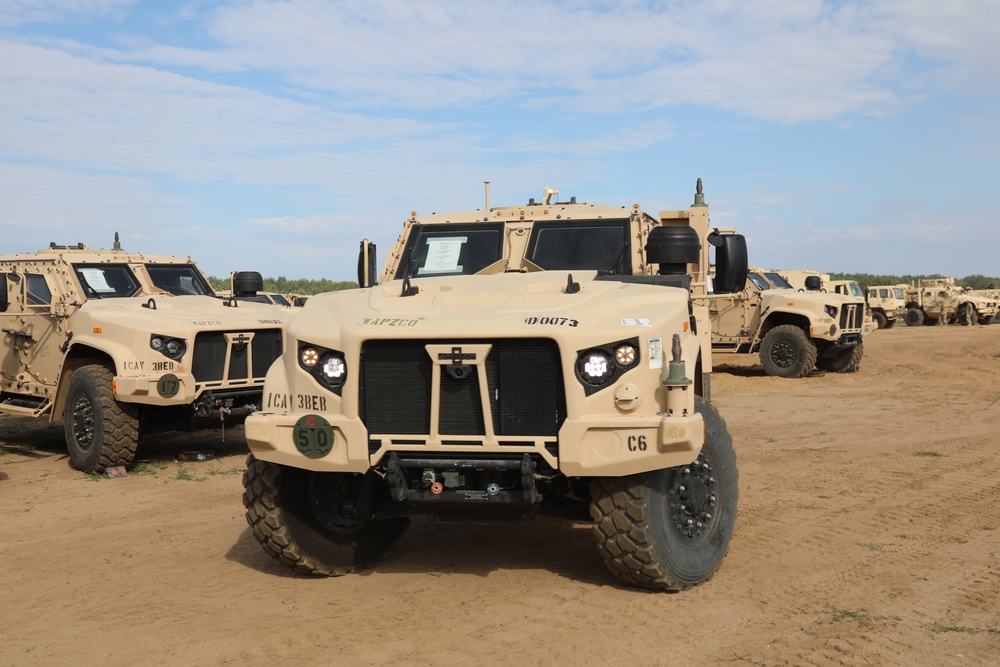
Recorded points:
(868, 534)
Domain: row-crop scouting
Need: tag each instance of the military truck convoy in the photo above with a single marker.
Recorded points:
(513, 360)
(941, 301)
(118, 345)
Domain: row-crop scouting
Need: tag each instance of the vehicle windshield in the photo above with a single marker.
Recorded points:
(452, 249)
(106, 281)
(280, 300)
(179, 279)
(758, 280)
(898, 292)
(596, 245)
(852, 289)
(777, 281)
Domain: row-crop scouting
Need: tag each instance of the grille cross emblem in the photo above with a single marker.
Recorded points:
(456, 368)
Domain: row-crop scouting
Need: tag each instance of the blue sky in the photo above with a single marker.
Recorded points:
(855, 136)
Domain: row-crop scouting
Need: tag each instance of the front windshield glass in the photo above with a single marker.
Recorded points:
(280, 300)
(758, 280)
(178, 279)
(777, 281)
(106, 281)
(451, 249)
(898, 292)
(596, 245)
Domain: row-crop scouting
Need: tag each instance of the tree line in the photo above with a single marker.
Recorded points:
(283, 285)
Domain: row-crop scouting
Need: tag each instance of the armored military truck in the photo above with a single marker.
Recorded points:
(513, 360)
(941, 301)
(793, 331)
(887, 303)
(117, 345)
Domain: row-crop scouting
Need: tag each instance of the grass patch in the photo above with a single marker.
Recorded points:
(862, 617)
(875, 546)
(928, 452)
(216, 469)
(184, 475)
(148, 467)
(23, 450)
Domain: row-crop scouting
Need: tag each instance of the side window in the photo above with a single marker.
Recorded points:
(38, 293)
(884, 293)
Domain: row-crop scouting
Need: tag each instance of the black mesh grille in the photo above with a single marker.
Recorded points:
(461, 405)
(524, 379)
(526, 387)
(852, 316)
(395, 387)
(209, 360)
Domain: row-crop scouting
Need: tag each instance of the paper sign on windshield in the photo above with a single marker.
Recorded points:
(442, 255)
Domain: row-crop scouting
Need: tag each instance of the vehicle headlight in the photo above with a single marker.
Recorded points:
(598, 367)
(329, 367)
(172, 348)
(831, 311)
(594, 367)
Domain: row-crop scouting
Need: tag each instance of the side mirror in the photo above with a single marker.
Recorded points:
(731, 264)
(367, 264)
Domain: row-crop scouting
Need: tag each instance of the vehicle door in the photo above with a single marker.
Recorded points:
(31, 336)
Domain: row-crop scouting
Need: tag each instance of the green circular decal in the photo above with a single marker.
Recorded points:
(313, 436)
(168, 385)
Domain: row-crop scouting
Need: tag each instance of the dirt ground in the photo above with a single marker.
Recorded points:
(868, 534)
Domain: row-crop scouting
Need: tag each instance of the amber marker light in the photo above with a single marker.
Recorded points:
(309, 357)
(98, 330)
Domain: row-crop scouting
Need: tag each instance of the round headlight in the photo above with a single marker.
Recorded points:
(625, 355)
(308, 357)
(174, 348)
(594, 367)
(333, 370)
(156, 343)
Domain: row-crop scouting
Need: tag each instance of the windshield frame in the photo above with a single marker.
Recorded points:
(93, 285)
(420, 233)
(618, 260)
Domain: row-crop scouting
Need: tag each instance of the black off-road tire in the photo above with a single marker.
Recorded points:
(101, 433)
(787, 352)
(967, 315)
(846, 361)
(890, 324)
(913, 317)
(283, 505)
(880, 320)
(670, 529)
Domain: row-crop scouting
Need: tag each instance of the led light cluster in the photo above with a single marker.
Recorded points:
(328, 366)
(597, 367)
(169, 347)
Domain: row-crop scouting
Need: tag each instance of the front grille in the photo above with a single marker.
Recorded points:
(852, 316)
(523, 380)
(215, 359)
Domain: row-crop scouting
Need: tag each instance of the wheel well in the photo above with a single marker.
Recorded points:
(777, 319)
(77, 357)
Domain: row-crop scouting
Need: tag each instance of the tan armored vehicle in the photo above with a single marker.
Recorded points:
(118, 344)
(794, 331)
(888, 304)
(513, 360)
(940, 301)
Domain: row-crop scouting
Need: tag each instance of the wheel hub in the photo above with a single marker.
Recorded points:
(83, 423)
(783, 354)
(333, 497)
(693, 498)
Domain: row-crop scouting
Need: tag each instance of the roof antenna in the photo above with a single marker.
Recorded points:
(118, 246)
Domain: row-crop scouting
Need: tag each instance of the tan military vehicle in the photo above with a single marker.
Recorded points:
(513, 360)
(118, 345)
(941, 301)
(794, 331)
(888, 304)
